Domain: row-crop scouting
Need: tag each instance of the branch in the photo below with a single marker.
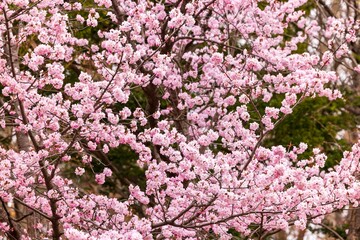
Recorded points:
(326, 8)
(172, 221)
(33, 209)
(117, 10)
(23, 217)
(13, 232)
(331, 230)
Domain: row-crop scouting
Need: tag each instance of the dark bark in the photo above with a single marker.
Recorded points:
(354, 225)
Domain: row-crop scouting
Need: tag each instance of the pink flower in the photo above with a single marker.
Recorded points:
(79, 171)
(100, 178)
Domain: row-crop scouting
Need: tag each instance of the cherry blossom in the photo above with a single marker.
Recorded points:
(205, 69)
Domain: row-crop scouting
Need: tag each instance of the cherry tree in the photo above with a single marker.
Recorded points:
(334, 21)
(206, 72)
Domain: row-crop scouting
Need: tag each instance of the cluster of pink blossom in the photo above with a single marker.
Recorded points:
(204, 68)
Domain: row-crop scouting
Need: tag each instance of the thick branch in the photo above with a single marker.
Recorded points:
(13, 232)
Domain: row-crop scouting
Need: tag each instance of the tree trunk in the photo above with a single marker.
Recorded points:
(282, 235)
(354, 225)
(301, 234)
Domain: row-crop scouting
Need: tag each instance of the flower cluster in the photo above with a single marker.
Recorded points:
(204, 70)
